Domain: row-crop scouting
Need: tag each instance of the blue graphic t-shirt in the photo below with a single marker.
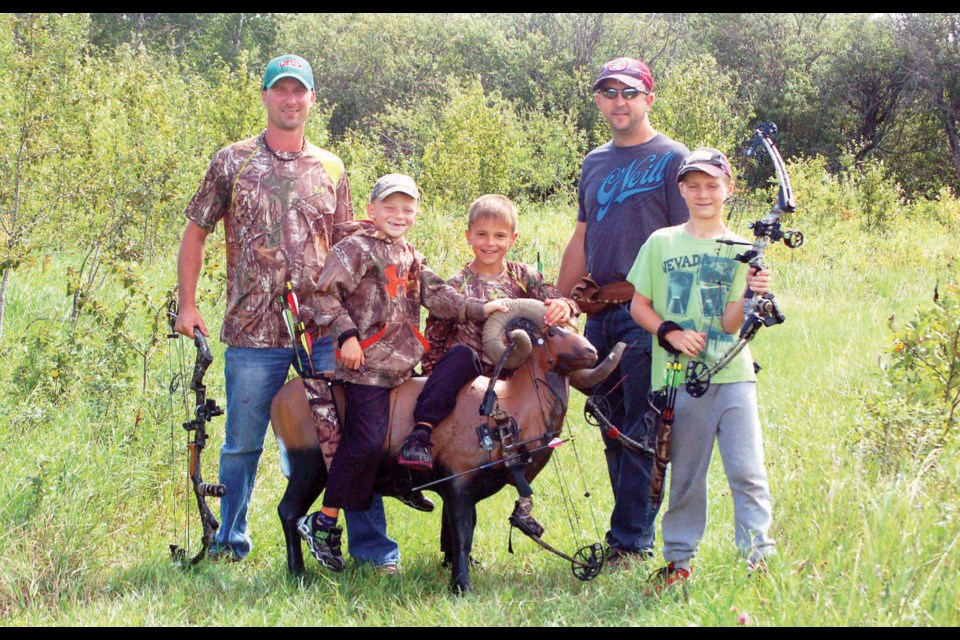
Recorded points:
(625, 194)
(690, 281)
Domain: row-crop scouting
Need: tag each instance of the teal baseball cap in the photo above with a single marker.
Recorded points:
(288, 66)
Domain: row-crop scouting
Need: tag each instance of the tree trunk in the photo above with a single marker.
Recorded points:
(238, 37)
(3, 298)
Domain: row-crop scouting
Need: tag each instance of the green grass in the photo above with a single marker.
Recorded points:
(90, 498)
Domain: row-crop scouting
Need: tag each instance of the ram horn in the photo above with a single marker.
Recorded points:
(495, 338)
(587, 379)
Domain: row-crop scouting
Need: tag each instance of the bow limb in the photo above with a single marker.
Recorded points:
(201, 490)
(595, 411)
(765, 136)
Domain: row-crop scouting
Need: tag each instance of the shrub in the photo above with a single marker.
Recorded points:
(915, 411)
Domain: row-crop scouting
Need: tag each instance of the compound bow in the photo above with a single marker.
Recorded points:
(763, 310)
(205, 410)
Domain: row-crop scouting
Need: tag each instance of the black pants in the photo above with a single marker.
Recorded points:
(457, 368)
(354, 467)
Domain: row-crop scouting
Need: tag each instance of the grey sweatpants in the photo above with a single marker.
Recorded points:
(728, 414)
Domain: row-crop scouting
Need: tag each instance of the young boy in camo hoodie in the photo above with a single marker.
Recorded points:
(369, 296)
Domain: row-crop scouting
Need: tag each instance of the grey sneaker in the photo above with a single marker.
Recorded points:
(324, 545)
(415, 453)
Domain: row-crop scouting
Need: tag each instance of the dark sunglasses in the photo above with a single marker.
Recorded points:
(628, 94)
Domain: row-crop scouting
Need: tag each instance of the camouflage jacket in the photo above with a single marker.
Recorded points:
(372, 287)
(517, 280)
(278, 212)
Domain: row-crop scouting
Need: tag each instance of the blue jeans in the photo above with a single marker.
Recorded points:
(253, 378)
(626, 390)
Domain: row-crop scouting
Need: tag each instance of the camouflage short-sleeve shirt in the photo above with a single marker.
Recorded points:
(278, 210)
(517, 280)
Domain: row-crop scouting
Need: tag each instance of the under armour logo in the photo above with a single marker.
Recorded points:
(394, 282)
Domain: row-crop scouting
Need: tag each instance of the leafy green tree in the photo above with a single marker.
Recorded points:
(714, 118)
(933, 43)
(134, 132)
(364, 62)
(194, 38)
(916, 412)
(39, 54)
(779, 59)
(867, 79)
(474, 147)
(549, 156)
(397, 144)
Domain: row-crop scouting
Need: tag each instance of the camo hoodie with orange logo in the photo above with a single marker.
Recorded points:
(372, 287)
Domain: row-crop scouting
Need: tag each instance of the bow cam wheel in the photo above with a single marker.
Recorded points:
(596, 405)
(589, 562)
(698, 379)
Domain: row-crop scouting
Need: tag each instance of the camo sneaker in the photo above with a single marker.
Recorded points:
(324, 544)
(523, 519)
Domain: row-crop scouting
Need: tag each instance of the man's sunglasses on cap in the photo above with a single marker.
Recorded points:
(628, 93)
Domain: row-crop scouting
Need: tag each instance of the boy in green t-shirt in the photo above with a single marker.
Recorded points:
(691, 297)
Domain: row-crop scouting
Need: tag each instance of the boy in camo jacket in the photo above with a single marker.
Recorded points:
(491, 233)
(369, 296)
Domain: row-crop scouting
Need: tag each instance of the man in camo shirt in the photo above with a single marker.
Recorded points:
(279, 197)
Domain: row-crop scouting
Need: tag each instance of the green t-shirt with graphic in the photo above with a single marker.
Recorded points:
(690, 281)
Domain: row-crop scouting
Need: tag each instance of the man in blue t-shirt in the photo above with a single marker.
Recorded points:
(628, 190)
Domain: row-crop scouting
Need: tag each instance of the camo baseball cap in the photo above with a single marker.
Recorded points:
(288, 66)
(629, 71)
(708, 160)
(394, 183)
